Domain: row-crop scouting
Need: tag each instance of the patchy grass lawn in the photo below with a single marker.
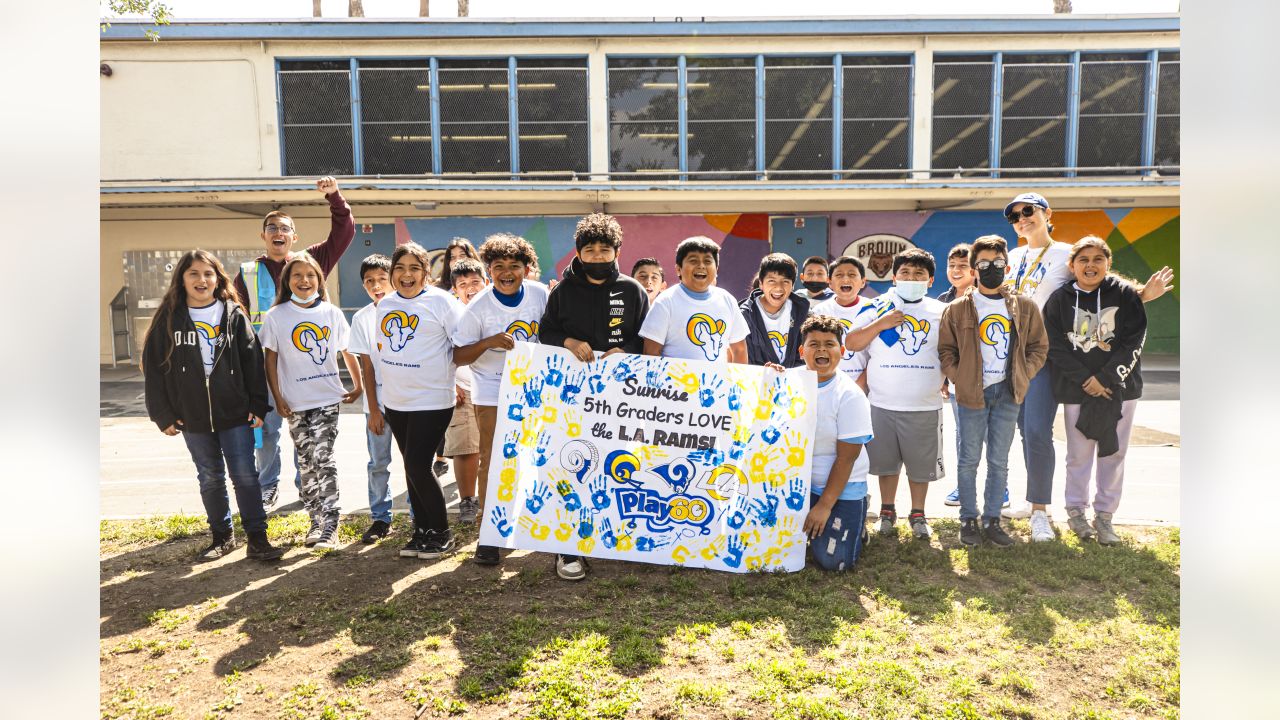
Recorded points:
(1057, 630)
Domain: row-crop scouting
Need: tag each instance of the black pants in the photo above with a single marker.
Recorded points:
(417, 434)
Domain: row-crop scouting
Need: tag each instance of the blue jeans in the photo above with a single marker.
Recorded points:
(1035, 422)
(840, 543)
(379, 476)
(267, 457)
(992, 424)
(235, 446)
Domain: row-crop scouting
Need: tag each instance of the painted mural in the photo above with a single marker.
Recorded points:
(1141, 239)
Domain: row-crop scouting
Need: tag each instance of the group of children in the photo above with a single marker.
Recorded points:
(430, 358)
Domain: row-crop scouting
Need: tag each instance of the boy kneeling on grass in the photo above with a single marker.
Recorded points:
(836, 524)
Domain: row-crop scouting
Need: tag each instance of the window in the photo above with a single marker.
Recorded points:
(722, 115)
(1033, 108)
(962, 115)
(1112, 111)
(798, 115)
(1168, 139)
(474, 116)
(876, 131)
(644, 114)
(315, 111)
(395, 117)
(552, 111)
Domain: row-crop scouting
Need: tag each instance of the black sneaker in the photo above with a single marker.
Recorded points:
(487, 555)
(970, 533)
(313, 535)
(259, 548)
(996, 534)
(328, 534)
(270, 498)
(378, 530)
(440, 467)
(435, 544)
(221, 546)
(414, 546)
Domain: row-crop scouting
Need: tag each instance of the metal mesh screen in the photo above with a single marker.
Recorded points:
(877, 112)
(961, 117)
(552, 111)
(395, 120)
(643, 115)
(1033, 130)
(474, 113)
(1168, 139)
(722, 112)
(1111, 115)
(798, 112)
(316, 119)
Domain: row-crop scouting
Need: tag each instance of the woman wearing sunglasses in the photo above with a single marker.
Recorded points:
(1036, 270)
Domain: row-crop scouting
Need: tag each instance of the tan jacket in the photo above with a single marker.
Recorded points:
(960, 349)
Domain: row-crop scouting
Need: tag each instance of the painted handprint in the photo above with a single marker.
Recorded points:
(554, 374)
(606, 535)
(540, 452)
(735, 397)
(533, 392)
(570, 496)
(797, 446)
(771, 434)
(686, 380)
(654, 377)
(572, 387)
(537, 496)
(599, 498)
(622, 371)
(733, 556)
(510, 443)
(709, 457)
(738, 517)
(520, 370)
(515, 412)
(714, 548)
(766, 510)
(710, 391)
(573, 425)
(564, 528)
(586, 524)
(499, 518)
(536, 530)
(648, 544)
(795, 498)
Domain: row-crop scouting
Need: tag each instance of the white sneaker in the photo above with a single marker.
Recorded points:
(1021, 511)
(1041, 528)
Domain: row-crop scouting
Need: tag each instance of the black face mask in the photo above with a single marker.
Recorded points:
(599, 270)
(815, 286)
(992, 277)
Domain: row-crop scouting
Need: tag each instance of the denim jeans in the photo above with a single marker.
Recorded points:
(1035, 422)
(840, 543)
(208, 452)
(267, 458)
(993, 425)
(379, 476)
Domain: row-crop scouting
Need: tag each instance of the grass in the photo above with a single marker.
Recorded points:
(1058, 630)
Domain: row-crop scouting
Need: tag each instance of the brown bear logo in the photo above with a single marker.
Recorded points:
(880, 264)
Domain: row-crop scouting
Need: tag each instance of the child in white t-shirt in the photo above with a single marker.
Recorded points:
(836, 523)
(899, 331)
(416, 324)
(302, 335)
(375, 275)
(848, 277)
(462, 439)
(504, 313)
(695, 320)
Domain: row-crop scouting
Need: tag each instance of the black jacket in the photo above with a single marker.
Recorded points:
(760, 348)
(604, 316)
(177, 390)
(1077, 350)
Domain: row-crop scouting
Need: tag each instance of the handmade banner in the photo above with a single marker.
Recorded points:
(672, 462)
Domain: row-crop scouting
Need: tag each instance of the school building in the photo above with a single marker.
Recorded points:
(810, 136)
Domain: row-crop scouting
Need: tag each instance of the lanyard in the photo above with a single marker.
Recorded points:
(1023, 269)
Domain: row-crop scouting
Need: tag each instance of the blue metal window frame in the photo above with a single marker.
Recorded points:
(997, 112)
(837, 115)
(513, 117)
(760, 101)
(682, 116)
(437, 143)
(1073, 115)
(357, 127)
(1149, 110)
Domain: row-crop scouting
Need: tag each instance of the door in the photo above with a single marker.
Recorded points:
(800, 236)
(376, 238)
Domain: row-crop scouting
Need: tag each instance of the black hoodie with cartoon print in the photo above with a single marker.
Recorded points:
(1095, 334)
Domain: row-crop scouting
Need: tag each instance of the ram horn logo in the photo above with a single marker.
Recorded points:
(209, 337)
(522, 331)
(707, 333)
(994, 331)
(312, 340)
(779, 342)
(913, 334)
(399, 327)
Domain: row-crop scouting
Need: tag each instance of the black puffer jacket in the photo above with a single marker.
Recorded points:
(760, 348)
(177, 390)
(604, 316)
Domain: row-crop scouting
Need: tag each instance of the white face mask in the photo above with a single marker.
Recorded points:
(911, 290)
(304, 300)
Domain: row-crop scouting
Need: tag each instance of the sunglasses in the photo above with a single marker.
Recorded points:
(1000, 263)
(1016, 215)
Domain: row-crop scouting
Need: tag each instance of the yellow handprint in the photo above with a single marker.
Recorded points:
(625, 543)
(686, 380)
(713, 550)
(760, 461)
(536, 530)
(681, 554)
(750, 538)
(565, 531)
(798, 406)
(586, 545)
(776, 480)
(572, 419)
(520, 370)
(506, 493)
(796, 446)
(786, 532)
(548, 414)
(530, 428)
(649, 453)
(755, 562)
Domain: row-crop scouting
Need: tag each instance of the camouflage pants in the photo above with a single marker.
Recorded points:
(314, 433)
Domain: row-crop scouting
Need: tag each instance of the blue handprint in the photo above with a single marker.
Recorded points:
(656, 377)
(499, 518)
(709, 391)
(795, 499)
(739, 516)
(510, 443)
(515, 412)
(586, 524)
(771, 434)
(766, 510)
(710, 457)
(555, 371)
(781, 393)
(622, 371)
(599, 498)
(533, 392)
(733, 556)
(610, 540)
(738, 447)
(648, 544)
(537, 497)
(572, 386)
(540, 452)
(571, 500)
(596, 384)
(735, 398)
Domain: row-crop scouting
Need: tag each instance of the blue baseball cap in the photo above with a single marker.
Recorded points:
(1029, 198)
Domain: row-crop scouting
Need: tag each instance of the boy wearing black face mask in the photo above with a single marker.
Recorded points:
(991, 343)
(594, 309)
(813, 275)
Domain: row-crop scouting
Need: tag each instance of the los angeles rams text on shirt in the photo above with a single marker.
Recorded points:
(307, 342)
(695, 328)
(903, 371)
(414, 334)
